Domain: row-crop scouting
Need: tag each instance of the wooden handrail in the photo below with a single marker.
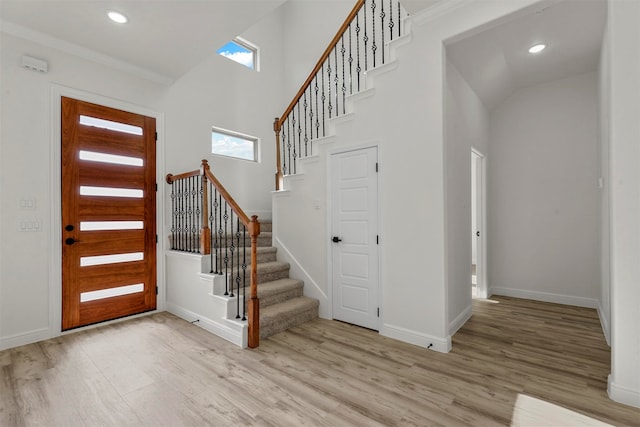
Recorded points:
(315, 70)
(253, 226)
(225, 195)
(173, 178)
(277, 124)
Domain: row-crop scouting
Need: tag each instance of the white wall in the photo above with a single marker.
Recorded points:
(544, 203)
(604, 103)
(405, 120)
(466, 125)
(624, 136)
(309, 26)
(26, 172)
(225, 94)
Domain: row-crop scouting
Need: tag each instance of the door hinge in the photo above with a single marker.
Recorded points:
(377, 240)
(156, 187)
(156, 290)
(156, 238)
(378, 311)
(156, 136)
(376, 166)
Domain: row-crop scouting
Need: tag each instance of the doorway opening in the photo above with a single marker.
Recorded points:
(478, 258)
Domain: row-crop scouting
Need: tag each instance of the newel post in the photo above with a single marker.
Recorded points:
(254, 304)
(279, 176)
(205, 234)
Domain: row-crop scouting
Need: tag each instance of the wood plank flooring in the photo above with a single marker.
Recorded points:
(516, 362)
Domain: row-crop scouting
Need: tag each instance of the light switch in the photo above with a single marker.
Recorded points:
(27, 203)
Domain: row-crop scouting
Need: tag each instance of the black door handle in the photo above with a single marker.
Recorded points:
(478, 233)
(69, 227)
(70, 241)
(336, 239)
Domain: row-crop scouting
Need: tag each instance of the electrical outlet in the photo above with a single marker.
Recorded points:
(29, 225)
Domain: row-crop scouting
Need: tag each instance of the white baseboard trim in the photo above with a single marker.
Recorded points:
(442, 345)
(297, 271)
(25, 338)
(604, 322)
(460, 320)
(622, 394)
(220, 328)
(546, 297)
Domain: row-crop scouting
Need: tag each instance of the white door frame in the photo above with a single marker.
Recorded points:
(55, 268)
(481, 222)
(329, 219)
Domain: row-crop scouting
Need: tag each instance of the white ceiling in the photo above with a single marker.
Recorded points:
(164, 37)
(496, 62)
(167, 38)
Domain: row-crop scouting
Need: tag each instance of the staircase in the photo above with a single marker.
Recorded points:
(282, 304)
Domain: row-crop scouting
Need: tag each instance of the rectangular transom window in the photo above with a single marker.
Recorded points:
(242, 52)
(234, 144)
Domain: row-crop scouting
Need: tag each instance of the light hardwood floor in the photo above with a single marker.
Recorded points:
(516, 362)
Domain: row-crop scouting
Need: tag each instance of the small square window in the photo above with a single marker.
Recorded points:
(242, 52)
(234, 144)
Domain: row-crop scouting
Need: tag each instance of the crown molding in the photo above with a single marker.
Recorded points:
(82, 52)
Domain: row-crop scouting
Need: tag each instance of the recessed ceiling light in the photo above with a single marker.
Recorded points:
(117, 17)
(537, 48)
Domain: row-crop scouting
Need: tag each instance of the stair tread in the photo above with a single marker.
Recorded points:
(293, 305)
(264, 267)
(279, 285)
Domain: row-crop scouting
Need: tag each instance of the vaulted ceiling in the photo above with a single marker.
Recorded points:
(496, 62)
(168, 38)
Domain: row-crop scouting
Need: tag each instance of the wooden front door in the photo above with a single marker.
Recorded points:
(108, 213)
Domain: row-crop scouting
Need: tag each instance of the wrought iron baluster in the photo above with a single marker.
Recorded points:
(212, 233)
(173, 215)
(365, 38)
(189, 213)
(317, 123)
(329, 108)
(294, 165)
(183, 241)
(226, 250)
(311, 116)
(358, 68)
(336, 79)
(289, 144)
(199, 207)
(382, 16)
(300, 118)
(399, 20)
(350, 63)
(232, 248)
(374, 47)
(220, 233)
(391, 23)
(244, 273)
(288, 152)
(283, 137)
(187, 225)
(323, 99)
(193, 214)
(238, 268)
(306, 116)
(344, 87)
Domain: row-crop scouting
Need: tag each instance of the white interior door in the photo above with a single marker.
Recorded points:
(354, 226)
(478, 223)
